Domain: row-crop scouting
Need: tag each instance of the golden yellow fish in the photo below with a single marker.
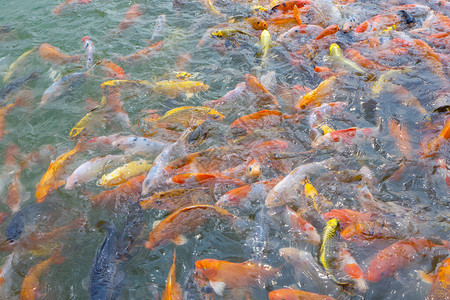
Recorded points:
(175, 88)
(127, 171)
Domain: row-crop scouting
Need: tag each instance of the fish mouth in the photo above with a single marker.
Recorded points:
(7, 242)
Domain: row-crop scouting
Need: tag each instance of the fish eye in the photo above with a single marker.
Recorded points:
(158, 202)
(296, 30)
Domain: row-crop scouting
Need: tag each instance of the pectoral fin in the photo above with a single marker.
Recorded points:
(180, 240)
(218, 287)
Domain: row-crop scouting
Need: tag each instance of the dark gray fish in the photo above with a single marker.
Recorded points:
(107, 270)
(27, 215)
(15, 85)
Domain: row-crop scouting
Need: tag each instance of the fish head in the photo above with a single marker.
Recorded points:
(208, 267)
(253, 169)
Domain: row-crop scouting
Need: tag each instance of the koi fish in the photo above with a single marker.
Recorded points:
(300, 227)
(397, 256)
(316, 96)
(265, 42)
(183, 221)
(290, 4)
(175, 199)
(259, 120)
(63, 85)
(189, 116)
(381, 22)
(30, 283)
(3, 112)
(353, 270)
(50, 180)
(357, 57)
(203, 179)
(288, 294)
(127, 191)
(90, 170)
(58, 9)
(440, 281)
(134, 145)
(299, 31)
(157, 174)
(127, 171)
(235, 275)
(160, 25)
(132, 16)
(330, 30)
(339, 59)
(400, 134)
(173, 290)
(89, 49)
(233, 95)
(51, 54)
(242, 196)
(88, 120)
(7, 92)
(340, 139)
(329, 252)
(256, 23)
(435, 143)
(173, 89)
(210, 6)
(15, 195)
(18, 64)
(145, 53)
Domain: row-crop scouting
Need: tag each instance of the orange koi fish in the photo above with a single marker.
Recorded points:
(435, 143)
(235, 275)
(144, 53)
(256, 23)
(112, 70)
(233, 95)
(397, 256)
(15, 197)
(242, 195)
(254, 86)
(440, 281)
(379, 22)
(129, 190)
(291, 294)
(53, 55)
(352, 269)
(131, 17)
(316, 96)
(173, 290)
(355, 56)
(330, 30)
(290, 4)
(183, 221)
(347, 216)
(203, 179)
(58, 9)
(175, 199)
(400, 134)
(301, 227)
(50, 180)
(31, 282)
(3, 112)
(258, 120)
(338, 139)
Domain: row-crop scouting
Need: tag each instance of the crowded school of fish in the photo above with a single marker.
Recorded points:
(321, 160)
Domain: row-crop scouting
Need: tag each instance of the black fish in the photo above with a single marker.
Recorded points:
(107, 271)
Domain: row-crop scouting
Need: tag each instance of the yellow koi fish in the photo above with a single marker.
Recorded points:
(18, 64)
(175, 88)
(127, 171)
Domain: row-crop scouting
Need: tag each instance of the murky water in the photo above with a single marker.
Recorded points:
(421, 192)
